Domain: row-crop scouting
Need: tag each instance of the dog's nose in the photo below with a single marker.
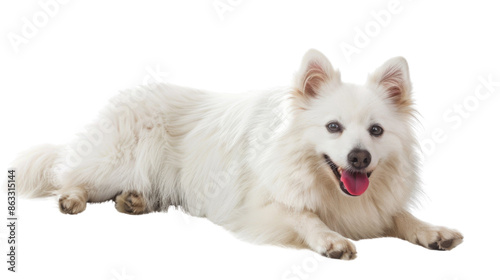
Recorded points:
(359, 159)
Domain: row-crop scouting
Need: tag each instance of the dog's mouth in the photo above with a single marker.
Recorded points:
(353, 183)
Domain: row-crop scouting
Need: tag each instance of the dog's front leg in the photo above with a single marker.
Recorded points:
(319, 237)
(409, 228)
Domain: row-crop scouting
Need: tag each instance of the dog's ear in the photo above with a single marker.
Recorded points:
(315, 70)
(393, 78)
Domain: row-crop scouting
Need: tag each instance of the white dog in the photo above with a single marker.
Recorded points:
(307, 166)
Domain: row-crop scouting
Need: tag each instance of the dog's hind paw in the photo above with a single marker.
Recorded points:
(72, 204)
(131, 202)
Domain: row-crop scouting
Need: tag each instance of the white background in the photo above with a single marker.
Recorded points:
(56, 80)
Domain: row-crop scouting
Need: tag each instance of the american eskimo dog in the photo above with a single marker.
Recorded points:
(309, 166)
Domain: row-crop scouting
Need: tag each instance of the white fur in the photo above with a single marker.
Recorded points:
(250, 162)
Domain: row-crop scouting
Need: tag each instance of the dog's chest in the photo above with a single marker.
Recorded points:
(359, 218)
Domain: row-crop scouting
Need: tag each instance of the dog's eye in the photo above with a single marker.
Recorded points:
(334, 127)
(376, 130)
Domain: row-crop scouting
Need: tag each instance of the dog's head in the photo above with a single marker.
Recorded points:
(353, 128)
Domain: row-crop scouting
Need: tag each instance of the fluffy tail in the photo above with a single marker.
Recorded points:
(35, 171)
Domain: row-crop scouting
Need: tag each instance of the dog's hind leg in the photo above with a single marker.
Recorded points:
(131, 202)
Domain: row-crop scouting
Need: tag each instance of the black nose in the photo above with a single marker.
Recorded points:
(359, 159)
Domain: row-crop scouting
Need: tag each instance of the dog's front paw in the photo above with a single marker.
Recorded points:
(438, 238)
(335, 246)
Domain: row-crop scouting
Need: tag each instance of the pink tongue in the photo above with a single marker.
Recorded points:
(355, 183)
